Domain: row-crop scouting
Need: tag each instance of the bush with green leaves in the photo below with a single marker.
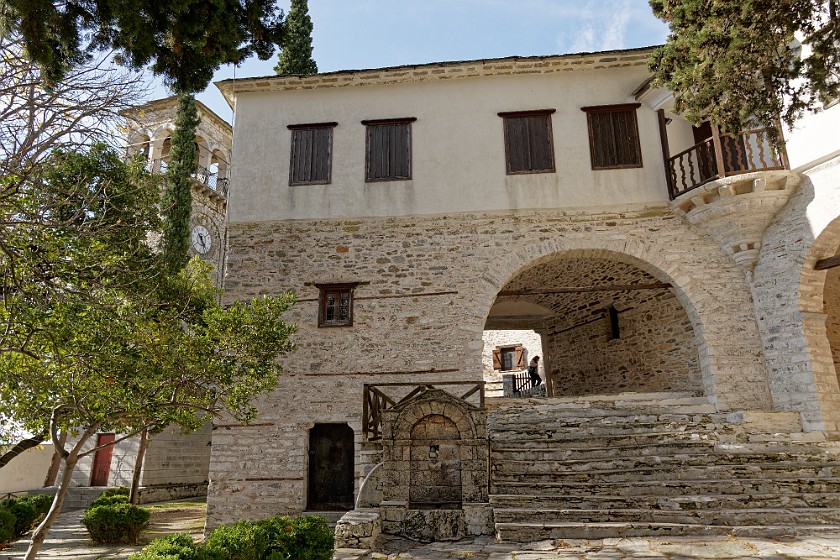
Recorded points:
(174, 547)
(116, 523)
(7, 525)
(110, 496)
(275, 538)
(27, 511)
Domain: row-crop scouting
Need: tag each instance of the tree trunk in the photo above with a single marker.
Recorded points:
(138, 467)
(22, 446)
(70, 461)
(52, 473)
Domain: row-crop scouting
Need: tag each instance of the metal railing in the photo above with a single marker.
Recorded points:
(723, 155)
(377, 398)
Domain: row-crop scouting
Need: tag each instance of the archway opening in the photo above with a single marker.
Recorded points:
(605, 326)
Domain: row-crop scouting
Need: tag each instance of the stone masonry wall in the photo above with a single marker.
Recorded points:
(789, 300)
(831, 298)
(426, 286)
(655, 352)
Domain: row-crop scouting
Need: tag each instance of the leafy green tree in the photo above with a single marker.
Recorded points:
(296, 56)
(177, 198)
(145, 348)
(736, 63)
(184, 41)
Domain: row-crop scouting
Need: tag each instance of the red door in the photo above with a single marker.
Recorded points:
(102, 461)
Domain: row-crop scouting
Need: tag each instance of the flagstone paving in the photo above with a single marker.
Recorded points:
(68, 540)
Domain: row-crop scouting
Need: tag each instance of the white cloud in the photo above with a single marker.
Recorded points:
(603, 27)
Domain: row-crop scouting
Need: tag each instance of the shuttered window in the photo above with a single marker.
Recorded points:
(508, 358)
(311, 162)
(528, 141)
(335, 305)
(614, 136)
(388, 149)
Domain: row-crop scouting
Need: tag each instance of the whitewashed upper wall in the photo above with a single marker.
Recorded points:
(458, 155)
(814, 139)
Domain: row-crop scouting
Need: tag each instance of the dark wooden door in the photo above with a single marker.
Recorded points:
(102, 461)
(330, 468)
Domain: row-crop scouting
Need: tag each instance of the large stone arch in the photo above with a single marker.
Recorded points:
(789, 300)
(710, 288)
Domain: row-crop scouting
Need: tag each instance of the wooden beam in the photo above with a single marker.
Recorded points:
(830, 262)
(581, 289)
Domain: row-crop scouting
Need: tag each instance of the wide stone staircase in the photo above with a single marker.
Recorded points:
(654, 464)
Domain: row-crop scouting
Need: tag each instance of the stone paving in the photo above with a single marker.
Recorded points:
(636, 548)
(68, 540)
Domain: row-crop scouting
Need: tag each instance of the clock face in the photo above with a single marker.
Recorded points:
(201, 239)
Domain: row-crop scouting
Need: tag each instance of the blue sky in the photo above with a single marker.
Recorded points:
(356, 34)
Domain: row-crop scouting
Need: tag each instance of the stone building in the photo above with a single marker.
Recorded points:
(682, 282)
(175, 465)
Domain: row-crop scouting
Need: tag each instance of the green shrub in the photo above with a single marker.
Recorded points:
(301, 538)
(108, 501)
(116, 523)
(173, 547)
(42, 503)
(7, 525)
(24, 511)
(244, 540)
(110, 497)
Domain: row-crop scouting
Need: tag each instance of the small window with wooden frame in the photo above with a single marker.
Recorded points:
(388, 149)
(509, 358)
(614, 136)
(311, 159)
(529, 147)
(335, 305)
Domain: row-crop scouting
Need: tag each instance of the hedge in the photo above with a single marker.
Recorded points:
(275, 538)
(115, 523)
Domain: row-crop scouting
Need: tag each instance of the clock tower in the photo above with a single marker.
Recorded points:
(149, 129)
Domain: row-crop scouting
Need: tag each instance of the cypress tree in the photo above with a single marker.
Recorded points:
(296, 56)
(177, 197)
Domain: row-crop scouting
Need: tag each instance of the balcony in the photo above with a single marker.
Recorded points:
(721, 156)
(215, 180)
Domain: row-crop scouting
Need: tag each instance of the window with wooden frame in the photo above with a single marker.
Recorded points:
(311, 159)
(614, 136)
(507, 358)
(528, 141)
(335, 305)
(388, 149)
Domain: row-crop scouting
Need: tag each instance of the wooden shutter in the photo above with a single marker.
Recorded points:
(388, 150)
(520, 357)
(497, 358)
(614, 136)
(528, 141)
(311, 155)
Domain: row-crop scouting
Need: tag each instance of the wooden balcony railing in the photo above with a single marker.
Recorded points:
(722, 155)
(377, 398)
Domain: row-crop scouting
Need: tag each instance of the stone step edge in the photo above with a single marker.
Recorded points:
(670, 460)
(675, 482)
(639, 511)
(601, 497)
(617, 525)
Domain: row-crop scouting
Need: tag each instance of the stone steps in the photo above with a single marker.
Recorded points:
(537, 531)
(642, 465)
(706, 501)
(665, 488)
(735, 517)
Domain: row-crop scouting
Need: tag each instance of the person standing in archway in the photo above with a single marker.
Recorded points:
(532, 371)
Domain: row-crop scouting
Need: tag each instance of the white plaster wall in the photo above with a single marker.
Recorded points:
(26, 471)
(814, 139)
(530, 340)
(458, 157)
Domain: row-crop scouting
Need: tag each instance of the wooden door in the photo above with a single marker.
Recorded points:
(330, 468)
(102, 461)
